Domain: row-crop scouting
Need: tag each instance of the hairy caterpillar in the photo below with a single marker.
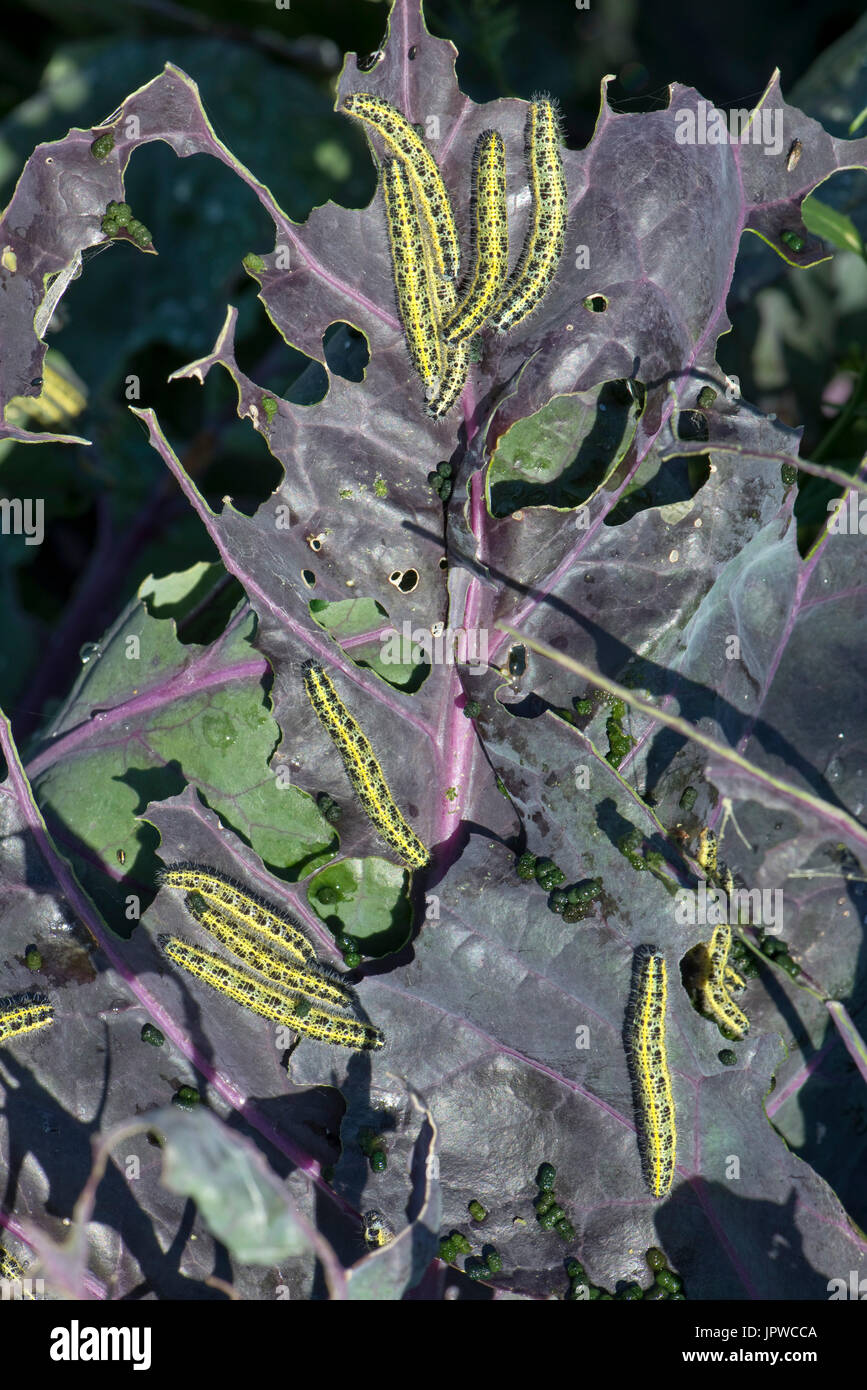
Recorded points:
(376, 1230)
(306, 982)
(414, 286)
(271, 924)
(543, 242)
(716, 976)
(706, 853)
(420, 165)
(457, 358)
(361, 765)
(490, 226)
(24, 1013)
(453, 382)
(654, 1102)
(268, 1000)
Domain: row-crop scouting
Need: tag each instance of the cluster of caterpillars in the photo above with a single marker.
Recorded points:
(439, 316)
(281, 978)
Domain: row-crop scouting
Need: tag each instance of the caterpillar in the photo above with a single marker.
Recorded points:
(645, 1037)
(24, 1013)
(268, 1000)
(457, 358)
(706, 853)
(272, 925)
(543, 242)
(308, 983)
(490, 228)
(361, 765)
(12, 1271)
(414, 286)
(376, 1230)
(420, 166)
(453, 382)
(713, 986)
(10, 1267)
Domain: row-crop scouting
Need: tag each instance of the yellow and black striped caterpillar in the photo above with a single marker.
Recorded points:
(648, 1065)
(365, 774)
(438, 323)
(286, 984)
(24, 1013)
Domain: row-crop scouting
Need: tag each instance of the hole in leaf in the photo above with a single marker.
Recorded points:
(596, 303)
(309, 578)
(315, 542)
(346, 351)
(405, 580)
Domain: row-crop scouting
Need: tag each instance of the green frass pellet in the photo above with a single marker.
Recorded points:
(548, 875)
(379, 1161)
(445, 489)
(103, 145)
(582, 706)
(584, 892)
(631, 1294)
(32, 958)
(110, 226)
(543, 1202)
(558, 901)
(151, 1034)
(445, 469)
(122, 212)
(447, 1250)
(788, 474)
(269, 405)
(574, 1268)
(672, 1283)
(655, 1258)
(546, 1177)
(472, 709)
(727, 1057)
(186, 1098)
(706, 397)
(793, 240)
(655, 1294)
(547, 1220)
(329, 808)
(557, 1212)
(565, 1230)
(461, 1244)
(253, 263)
(493, 1259)
(525, 867)
(476, 1210)
(688, 798)
(352, 959)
